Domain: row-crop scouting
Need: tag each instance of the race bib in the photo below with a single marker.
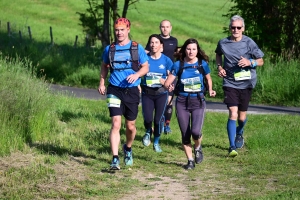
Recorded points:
(191, 84)
(113, 101)
(242, 75)
(153, 79)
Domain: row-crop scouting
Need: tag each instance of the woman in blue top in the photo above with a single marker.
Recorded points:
(154, 95)
(190, 103)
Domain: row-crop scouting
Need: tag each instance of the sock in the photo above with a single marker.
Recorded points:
(231, 130)
(168, 114)
(127, 148)
(156, 140)
(240, 128)
(148, 126)
(197, 148)
(116, 156)
(149, 130)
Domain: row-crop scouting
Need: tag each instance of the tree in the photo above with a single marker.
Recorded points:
(96, 21)
(273, 24)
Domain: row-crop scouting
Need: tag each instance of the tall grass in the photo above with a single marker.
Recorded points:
(25, 106)
(278, 83)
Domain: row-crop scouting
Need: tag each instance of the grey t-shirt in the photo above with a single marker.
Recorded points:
(232, 52)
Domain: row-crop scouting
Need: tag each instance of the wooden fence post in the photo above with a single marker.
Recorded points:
(51, 36)
(8, 28)
(20, 34)
(75, 43)
(29, 32)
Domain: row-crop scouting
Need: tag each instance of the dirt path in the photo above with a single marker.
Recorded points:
(73, 169)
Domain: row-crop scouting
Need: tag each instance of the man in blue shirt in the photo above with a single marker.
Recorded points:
(123, 95)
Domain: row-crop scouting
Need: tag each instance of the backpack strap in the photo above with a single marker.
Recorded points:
(111, 54)
(134, 52)
(176, 88)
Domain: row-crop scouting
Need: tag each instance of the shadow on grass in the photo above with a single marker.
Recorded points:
(51, 149)
(53, 61)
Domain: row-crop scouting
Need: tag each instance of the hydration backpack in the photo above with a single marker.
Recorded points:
(177, 89)
(134, 57)
(201, 71)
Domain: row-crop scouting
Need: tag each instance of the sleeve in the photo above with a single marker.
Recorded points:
(255, 50)
(176, 44)
(175, 68)
(218, 49)
(205, 67)
(105, 56)
(142, 55)
(169, 64)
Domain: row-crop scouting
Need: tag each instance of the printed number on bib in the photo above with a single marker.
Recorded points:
(153, 79)
(191, 84)
(113, 101)
(242, 75)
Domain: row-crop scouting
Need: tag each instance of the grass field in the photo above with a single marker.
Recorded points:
(57, 147)
(203, 22)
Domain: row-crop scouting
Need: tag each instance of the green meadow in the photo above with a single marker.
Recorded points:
(54, 146)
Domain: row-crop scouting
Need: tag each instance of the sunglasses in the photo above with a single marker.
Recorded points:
(236, 27)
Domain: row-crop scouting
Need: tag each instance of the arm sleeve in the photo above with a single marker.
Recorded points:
(205, 67)
(255, 50)
(218, 49)
(169, 64)
(105, 56)
(175, 68)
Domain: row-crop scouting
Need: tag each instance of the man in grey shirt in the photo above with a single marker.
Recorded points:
(241, 57)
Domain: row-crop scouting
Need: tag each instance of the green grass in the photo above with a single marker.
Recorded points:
(57, 147)
(40, 15)
(61, 63)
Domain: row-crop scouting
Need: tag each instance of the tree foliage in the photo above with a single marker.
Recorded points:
(273, 24)
(96, 20)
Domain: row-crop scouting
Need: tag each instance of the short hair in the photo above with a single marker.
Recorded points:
(157, 37)
(235, 18)
(165, 20)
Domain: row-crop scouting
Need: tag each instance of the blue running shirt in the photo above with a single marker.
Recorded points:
(190, 77)
(118, 77)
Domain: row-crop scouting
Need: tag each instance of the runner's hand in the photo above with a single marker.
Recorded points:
(132, 78)
(212, 93)
(244, 62)
(101, 89)
(222, 73)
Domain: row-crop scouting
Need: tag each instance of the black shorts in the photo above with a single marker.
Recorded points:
(237, 97)
(130, 99)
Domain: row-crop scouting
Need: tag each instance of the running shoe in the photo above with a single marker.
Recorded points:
(115, 164)
(128, 160)
(190, 165)
(157, 148)
(146, 139)
(167, 129)
(198, 155)
(232, 152)
(239, 141)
